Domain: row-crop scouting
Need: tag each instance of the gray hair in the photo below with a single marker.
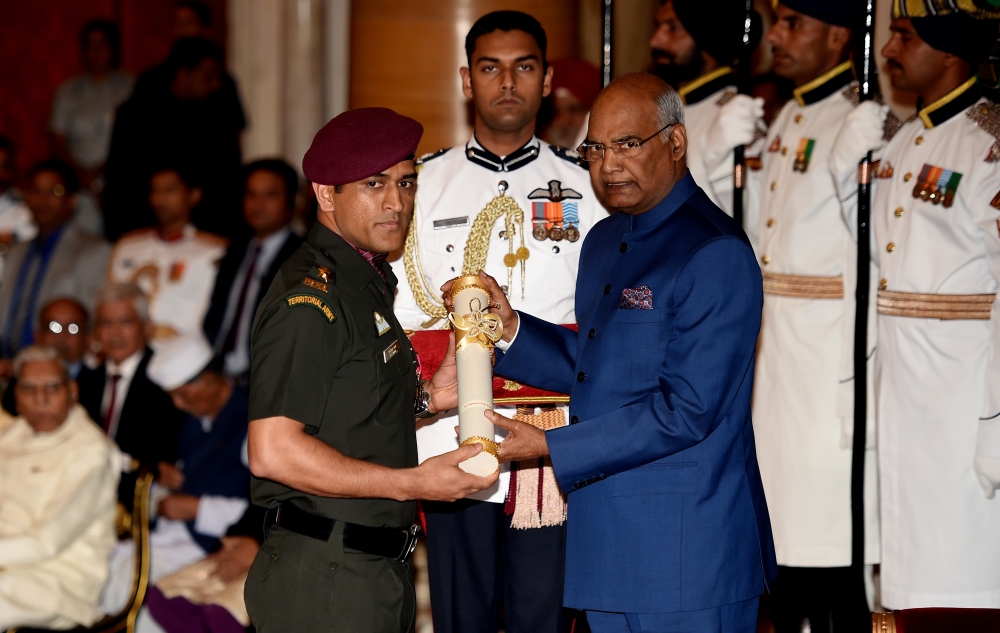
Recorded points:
(39, 354)
(669, 108)
(112, 292)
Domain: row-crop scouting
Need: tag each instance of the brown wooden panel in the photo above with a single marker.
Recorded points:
(405, 55)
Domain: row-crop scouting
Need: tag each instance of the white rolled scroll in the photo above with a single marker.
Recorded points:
(475, 333)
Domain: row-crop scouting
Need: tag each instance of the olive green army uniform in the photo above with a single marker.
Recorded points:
(328, 352)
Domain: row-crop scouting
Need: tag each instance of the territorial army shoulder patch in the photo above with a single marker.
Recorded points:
(311, 301)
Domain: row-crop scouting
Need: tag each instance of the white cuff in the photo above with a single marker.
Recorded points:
(217, 514)
(503, 345)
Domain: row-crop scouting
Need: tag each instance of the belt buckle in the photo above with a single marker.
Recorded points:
(410, 544)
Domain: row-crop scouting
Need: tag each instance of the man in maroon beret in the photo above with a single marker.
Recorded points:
(332, 439)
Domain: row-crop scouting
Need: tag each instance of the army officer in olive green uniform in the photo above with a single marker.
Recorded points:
(333, 397)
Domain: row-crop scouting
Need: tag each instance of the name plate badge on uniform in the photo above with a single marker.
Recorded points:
(381, 324)
(390, 351)
(449, 223)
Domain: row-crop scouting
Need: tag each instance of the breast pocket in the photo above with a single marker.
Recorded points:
(641, 337)
(395, 380)
(657, 479)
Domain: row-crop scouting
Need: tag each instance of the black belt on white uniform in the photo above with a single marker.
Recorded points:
(392, 543)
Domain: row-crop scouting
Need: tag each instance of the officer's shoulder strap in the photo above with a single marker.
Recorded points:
(429, 156)
(568, 155)
(986, 115)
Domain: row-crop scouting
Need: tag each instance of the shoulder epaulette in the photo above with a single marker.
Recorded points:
(429, 156)
(212, 238)
(726, 97)
(568, 155)
(986, 115)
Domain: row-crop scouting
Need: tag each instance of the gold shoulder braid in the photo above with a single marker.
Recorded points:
(477, 247)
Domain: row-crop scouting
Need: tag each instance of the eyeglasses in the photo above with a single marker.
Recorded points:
(591, 152)
(57, 328)
(48, 388)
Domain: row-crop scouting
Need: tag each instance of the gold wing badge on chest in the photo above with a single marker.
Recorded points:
(559, 217)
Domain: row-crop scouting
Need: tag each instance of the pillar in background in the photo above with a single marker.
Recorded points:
(633, 24)
(289, 60)
(405, 55)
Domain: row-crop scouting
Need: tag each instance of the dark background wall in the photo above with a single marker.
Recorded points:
(38, 51)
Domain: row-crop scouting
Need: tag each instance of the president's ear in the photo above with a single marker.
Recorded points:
(678, 141)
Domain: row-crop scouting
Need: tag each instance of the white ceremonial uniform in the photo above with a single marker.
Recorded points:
(938, 375)
(57, 521)
(803, 385)
(453, 187)
(702, 99)
(177, 275)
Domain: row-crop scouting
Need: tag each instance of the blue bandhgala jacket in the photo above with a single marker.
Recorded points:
(666, 507)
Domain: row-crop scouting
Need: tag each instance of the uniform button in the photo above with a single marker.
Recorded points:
(798, 118)
(555, 249)
(766, 259)
(591, 333)
(919, 140)
(574, 420)
(784, 151)
(882, 285)
(333, 566)
(899, 212)
(502, 235)
(890, 247)
(274, 556)
(449, 248)
(623, 247)
(581, 377)
(907, 177)
(607, 289)
(770, 222)
(774, 185)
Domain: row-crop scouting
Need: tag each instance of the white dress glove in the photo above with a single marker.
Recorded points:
(736, 125)
(988, 472)
(862, 133)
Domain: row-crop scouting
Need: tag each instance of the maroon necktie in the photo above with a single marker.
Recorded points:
(110, 414)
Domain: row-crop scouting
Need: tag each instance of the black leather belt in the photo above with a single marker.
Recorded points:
(389, 542)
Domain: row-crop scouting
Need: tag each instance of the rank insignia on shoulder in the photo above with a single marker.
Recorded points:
(381, 325)
(311, 301)
(803, 154)
(431, 156)
(775, 144)
(568, 155)
(937, 185)
(312, 283)
(883, 171)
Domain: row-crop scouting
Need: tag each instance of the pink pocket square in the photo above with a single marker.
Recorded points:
(640, 298)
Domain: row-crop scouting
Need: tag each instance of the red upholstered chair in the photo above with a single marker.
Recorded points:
(937, 621)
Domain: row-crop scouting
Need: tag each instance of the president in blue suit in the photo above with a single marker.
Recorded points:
(668, 528)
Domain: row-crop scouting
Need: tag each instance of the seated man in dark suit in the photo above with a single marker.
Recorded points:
(668, 529)
(63, 261)
(138, 415)
(249, 266)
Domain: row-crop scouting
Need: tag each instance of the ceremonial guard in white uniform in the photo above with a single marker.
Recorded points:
(936, 219)
(703, 39)
(176, 273)
(522, 218)
(803, 387)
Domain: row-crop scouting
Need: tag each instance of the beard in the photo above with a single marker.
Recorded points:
(667, 68)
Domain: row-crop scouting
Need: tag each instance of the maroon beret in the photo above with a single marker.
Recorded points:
(360, 143)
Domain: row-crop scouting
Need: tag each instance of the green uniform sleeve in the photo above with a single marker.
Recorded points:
(297, 350)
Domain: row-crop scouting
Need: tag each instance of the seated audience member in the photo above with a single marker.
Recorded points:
(62, 261)
(119, 395)
(57, 524)
(83, 113)
(213, 484)
(16, 222)
(174, 263)
(246, 272)
(63, 324)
